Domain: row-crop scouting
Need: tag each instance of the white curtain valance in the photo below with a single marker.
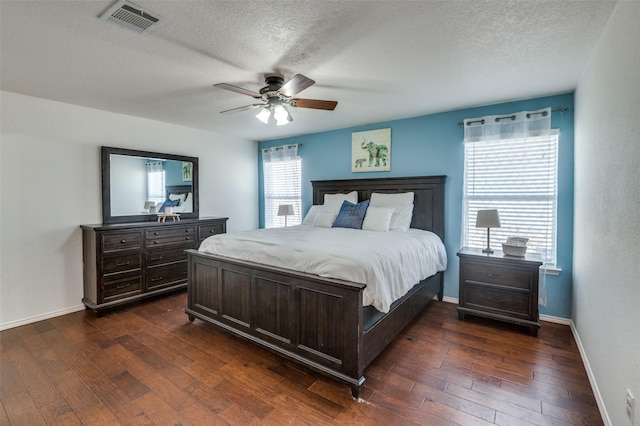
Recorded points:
(155, 167)
(280, 153)
(513, 126)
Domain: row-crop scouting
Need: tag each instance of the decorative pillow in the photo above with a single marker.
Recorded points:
(324, 219)
(167, 203)
(336, 200)
(377, 219)
(402, 204)
(351, 215)
(311, 215)
(180, 197)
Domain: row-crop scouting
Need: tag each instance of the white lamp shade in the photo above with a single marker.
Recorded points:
(488, 219)
(285, 209)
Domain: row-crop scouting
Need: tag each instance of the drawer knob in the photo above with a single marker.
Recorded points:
(495, 275)
(187, 238)
(155, 242)
(156, 279)
(120, 287)
(495, 299)
(211, 231)
(156, 258)
(123, 241)
(155, 233)
(122, 263)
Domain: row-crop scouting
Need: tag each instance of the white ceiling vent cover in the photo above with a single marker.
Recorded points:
(131, 16)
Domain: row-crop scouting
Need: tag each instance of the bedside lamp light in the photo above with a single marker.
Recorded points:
(488, 219)
(149, 205)
(285, 210)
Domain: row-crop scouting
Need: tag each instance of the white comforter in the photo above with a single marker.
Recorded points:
(390, 263)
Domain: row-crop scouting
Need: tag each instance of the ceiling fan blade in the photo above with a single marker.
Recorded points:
(295, 85)
(237, 89)
(240, 109)
(314, 103)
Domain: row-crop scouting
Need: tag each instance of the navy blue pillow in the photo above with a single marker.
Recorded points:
(172, 203)
(351, 215)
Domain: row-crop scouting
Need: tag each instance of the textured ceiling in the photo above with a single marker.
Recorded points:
(381, 60)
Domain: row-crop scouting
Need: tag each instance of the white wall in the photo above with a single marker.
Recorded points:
(50, 184)
(606, 295)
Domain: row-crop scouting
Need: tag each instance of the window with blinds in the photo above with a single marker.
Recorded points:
(519, 178)
(282, 185)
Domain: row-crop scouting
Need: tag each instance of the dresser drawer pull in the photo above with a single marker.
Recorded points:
(184, 273)
(187, 230)
(123, 241)
(211, 231)
(120, 287)
(495, 299)
(156, 258)
(123, 263)
(155, 242)
(187, 238)
(155, 233)
(495, 275)
(156, 279)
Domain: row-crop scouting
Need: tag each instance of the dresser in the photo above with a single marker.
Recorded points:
(500, 287)
(131, 261)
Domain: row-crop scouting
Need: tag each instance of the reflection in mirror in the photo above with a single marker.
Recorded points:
(139, 185)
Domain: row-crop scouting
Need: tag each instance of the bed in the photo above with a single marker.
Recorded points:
(316, 321)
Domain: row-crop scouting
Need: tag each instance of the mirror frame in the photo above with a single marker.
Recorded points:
(106, 184)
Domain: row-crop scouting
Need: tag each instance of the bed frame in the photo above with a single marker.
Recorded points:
(318, 322)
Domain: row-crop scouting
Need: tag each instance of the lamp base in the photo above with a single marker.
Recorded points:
(487, 250)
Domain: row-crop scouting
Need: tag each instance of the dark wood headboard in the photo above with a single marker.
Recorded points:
(428, 203)
(178, 189)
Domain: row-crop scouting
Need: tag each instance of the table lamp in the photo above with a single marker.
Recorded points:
(488, 219)
(285, 210)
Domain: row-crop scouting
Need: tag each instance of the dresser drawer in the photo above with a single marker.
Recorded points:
(121, 263)
(115, 241)
(159, 257)
(209, 230)
(497, 274)
(121, 287)
(160, 237)
(510, 303)
(166, 276)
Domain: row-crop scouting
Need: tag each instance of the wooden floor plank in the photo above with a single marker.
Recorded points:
(147, 364)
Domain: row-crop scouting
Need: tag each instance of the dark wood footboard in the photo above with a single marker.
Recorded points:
(315, 321)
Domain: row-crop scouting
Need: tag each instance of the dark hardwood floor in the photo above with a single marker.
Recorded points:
(147, 364)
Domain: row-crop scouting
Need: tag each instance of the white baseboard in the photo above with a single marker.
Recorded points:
(590, 375)
(42, 317)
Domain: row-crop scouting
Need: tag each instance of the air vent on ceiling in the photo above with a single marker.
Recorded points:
(131, 16)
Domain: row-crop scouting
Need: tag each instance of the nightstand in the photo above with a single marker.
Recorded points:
(500, 287)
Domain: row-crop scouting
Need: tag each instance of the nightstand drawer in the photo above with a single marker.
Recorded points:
(496, 274)
(496, 300)
(209, 230)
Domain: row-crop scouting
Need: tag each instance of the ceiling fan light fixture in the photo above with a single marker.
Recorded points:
(264, 115)
(281, 114)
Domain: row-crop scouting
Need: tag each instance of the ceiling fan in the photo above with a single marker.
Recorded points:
(276, 96)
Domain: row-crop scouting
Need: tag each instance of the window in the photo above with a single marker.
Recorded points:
(155, 182)
(518, 177)
(282, 184)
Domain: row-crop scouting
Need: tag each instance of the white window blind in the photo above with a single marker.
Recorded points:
(519, 178)
(282, 184)
(156, 183)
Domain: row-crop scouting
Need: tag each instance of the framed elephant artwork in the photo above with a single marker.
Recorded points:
(371, 151)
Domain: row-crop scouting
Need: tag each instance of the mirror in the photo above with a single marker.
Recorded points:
(138, 185)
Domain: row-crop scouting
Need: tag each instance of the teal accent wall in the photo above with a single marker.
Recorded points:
(432, 145)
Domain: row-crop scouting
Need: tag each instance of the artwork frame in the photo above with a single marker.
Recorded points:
(371, 151)
(187, 171)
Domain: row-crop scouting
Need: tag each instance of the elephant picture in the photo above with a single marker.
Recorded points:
(371, 150)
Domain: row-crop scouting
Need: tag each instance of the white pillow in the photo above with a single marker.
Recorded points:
(331, 199)
(311, 215)
(325, 219)
(377, 219)
(402, 204)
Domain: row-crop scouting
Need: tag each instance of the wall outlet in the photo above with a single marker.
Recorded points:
(631, 407)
